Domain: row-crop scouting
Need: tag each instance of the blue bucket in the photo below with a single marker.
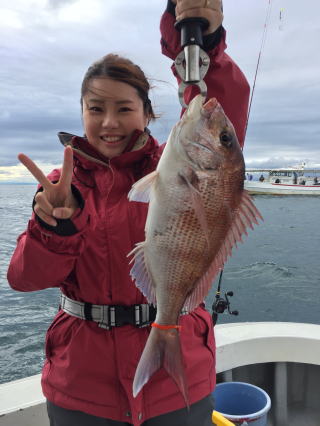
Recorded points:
(242, 403)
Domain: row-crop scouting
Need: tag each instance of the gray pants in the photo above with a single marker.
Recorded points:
(199, 414)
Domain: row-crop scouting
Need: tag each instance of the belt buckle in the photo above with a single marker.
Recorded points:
(121, 315)
(118, 315)
(140, 316)
(145, 315)
(107, 317)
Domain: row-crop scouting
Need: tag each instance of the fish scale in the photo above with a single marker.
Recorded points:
(198, 211)
(183, 252)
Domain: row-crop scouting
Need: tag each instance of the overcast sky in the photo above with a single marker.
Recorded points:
(47, 45)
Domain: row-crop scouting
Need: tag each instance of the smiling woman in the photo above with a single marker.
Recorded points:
(111, 112)
(83, 227)
(114, 100)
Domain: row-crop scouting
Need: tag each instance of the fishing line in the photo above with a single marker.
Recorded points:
(263, 42)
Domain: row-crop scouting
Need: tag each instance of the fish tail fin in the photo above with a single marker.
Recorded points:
(162, 350)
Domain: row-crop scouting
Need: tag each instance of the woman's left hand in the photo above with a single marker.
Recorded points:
(208, 9)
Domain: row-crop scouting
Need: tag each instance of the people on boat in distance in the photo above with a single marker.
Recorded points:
(302, 182)
(83, 226)
(249, 176)
(277, 181)
(315, 181)
(261, 178)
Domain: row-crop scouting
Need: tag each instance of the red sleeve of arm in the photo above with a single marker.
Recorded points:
(225, 81)
(43, 259)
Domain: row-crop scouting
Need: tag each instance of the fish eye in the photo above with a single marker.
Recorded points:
(226, 139)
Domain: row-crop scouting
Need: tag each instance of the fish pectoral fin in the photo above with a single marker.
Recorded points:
(140, 273)
(140, 190)
(197, 202)
(245, 216)
(162, 349)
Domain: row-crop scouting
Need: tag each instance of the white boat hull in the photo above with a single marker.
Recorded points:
(266, 188)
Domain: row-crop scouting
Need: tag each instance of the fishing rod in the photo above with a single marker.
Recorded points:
(221, 303)
(263, 42)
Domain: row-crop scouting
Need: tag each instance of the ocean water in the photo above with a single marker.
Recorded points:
(274, 274)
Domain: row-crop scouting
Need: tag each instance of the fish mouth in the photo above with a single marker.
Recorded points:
(210, 105)
(194, 106)
(197, 106)
(196, 102)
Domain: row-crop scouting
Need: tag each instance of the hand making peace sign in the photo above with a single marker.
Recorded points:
(56, 200)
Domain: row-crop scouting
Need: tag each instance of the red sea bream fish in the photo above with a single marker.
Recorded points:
(198, 210)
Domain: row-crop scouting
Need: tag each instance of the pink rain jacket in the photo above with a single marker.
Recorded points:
(88, 368)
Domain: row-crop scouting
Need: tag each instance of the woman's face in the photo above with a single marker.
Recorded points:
(112, 110)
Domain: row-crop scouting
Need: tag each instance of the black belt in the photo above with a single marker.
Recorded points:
(108, 316)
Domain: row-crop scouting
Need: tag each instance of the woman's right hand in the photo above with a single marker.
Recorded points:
(56, 201)
(210, 10)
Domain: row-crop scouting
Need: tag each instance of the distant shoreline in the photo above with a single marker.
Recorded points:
(18, 183)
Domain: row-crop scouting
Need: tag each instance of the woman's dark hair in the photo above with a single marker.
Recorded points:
(120, 69)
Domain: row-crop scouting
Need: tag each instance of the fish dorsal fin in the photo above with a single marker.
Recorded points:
(140, 190)
(139, 272)
(246, 215)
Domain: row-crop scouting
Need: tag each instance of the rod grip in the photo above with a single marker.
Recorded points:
(191, 30)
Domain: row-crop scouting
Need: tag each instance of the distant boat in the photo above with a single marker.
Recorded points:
(284, 181)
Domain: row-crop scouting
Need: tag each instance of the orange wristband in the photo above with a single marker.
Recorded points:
(165, 327)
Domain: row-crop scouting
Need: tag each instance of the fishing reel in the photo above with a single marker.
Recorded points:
(221, 304)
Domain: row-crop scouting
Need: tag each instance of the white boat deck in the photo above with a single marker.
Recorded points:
(241, 344)
(281, 358)
(239, 347)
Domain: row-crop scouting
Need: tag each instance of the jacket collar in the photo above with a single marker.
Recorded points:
(140, 145)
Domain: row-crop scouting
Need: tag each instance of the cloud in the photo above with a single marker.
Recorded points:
(18, 173)
(47, 45)
(56, 4)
